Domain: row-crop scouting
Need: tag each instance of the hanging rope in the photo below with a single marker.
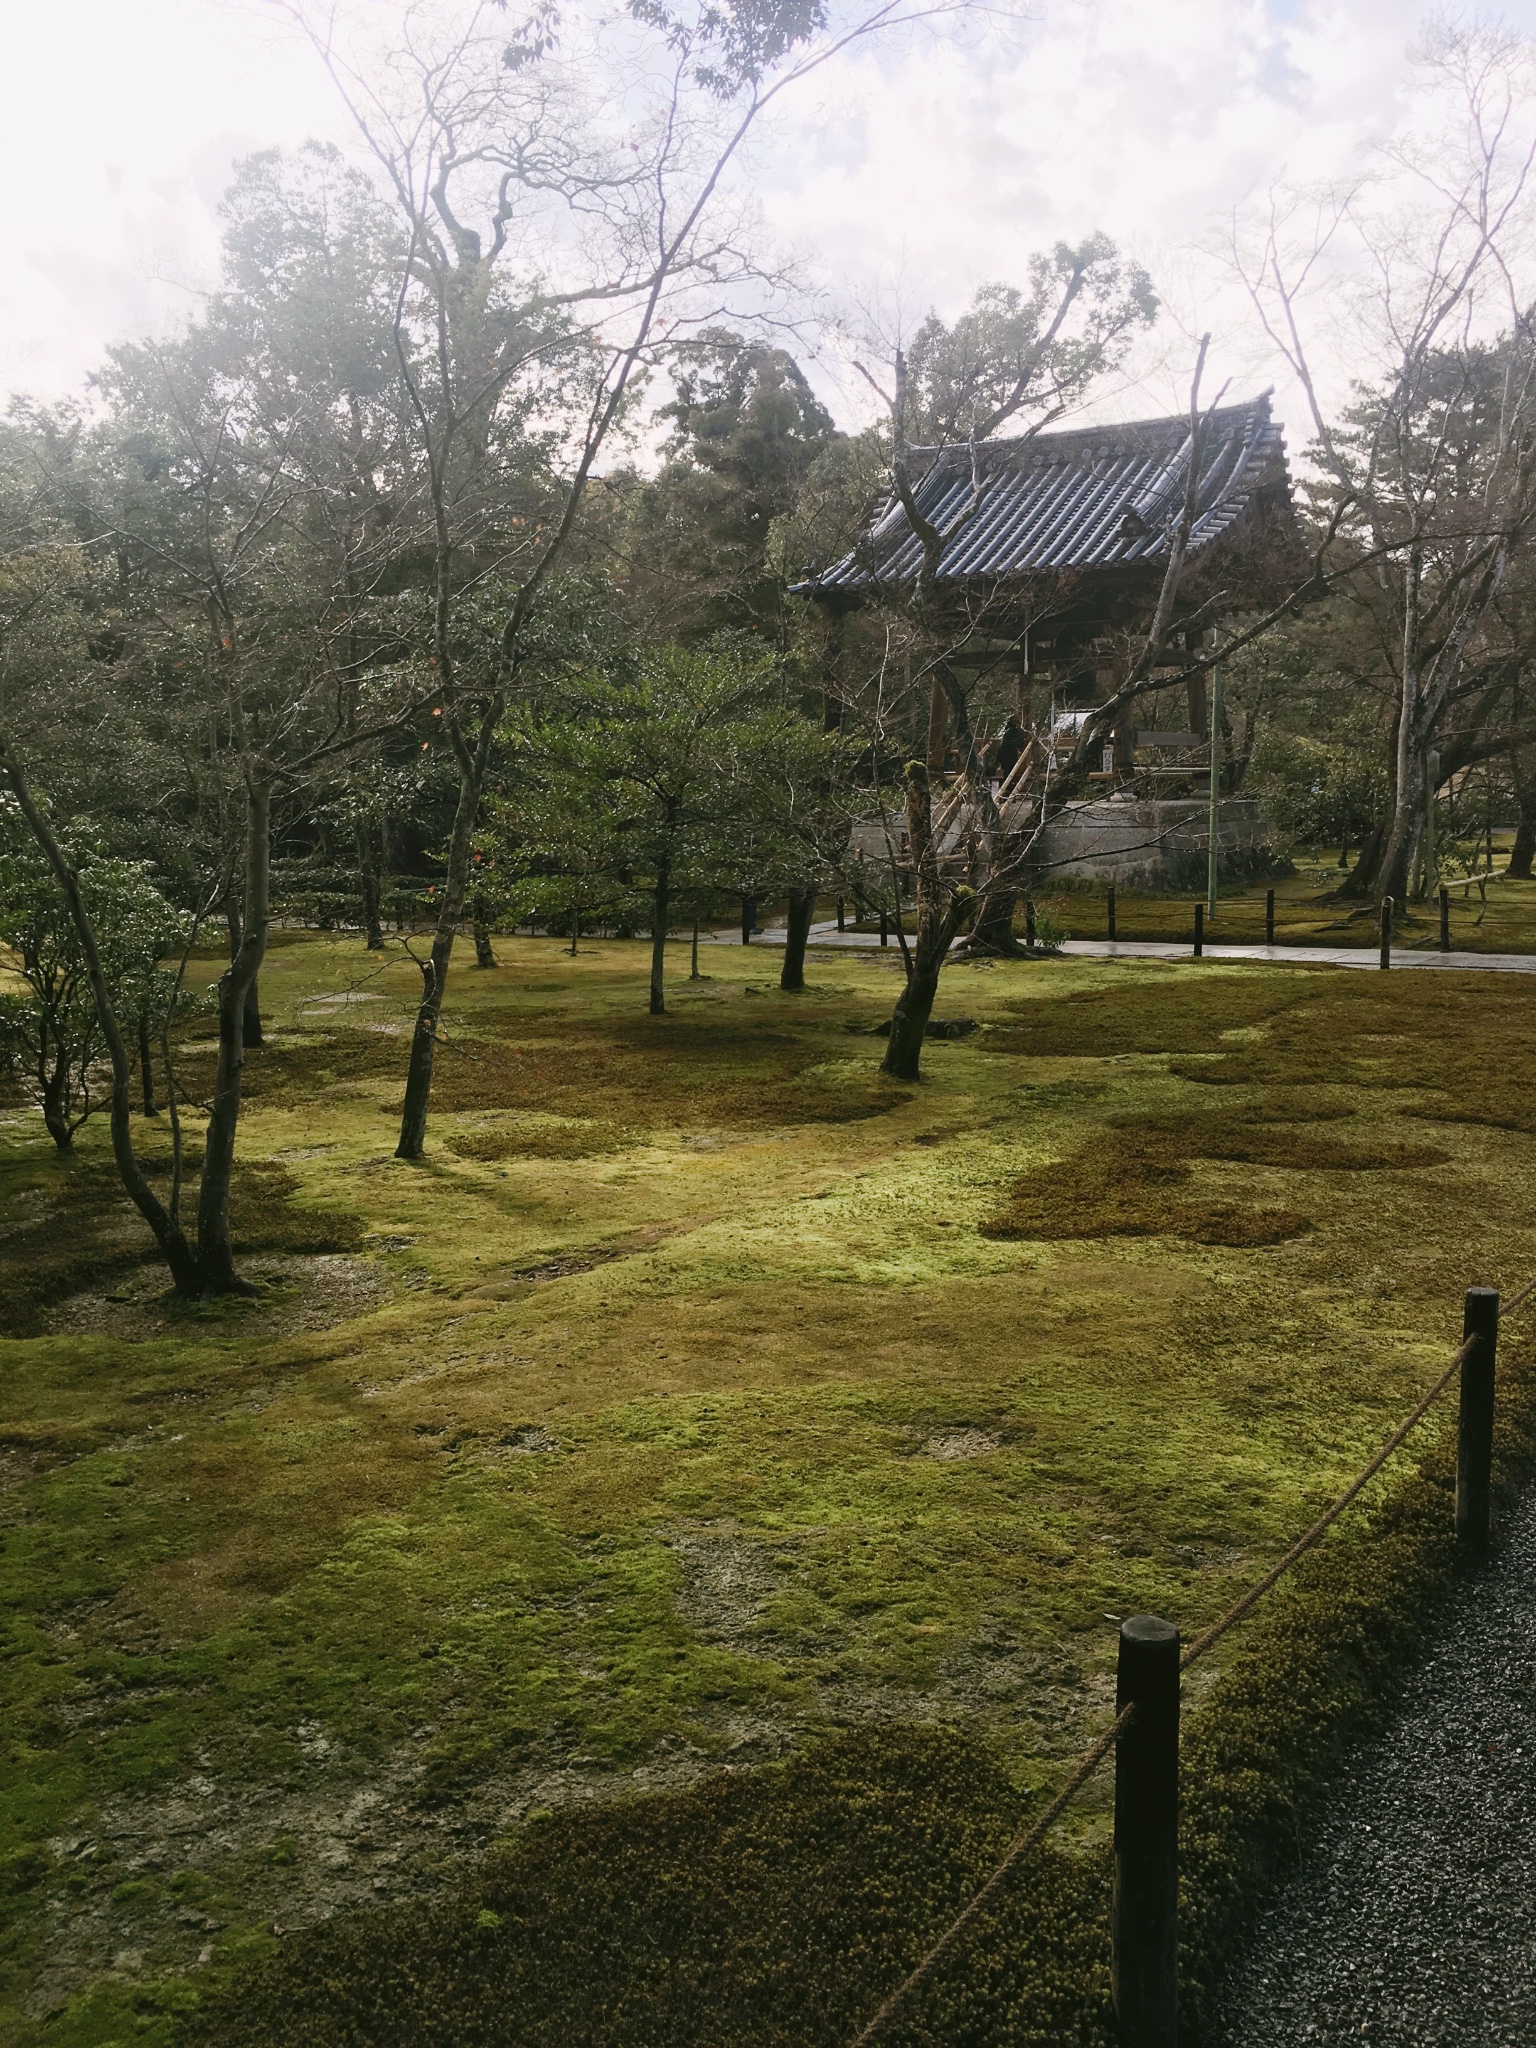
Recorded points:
(1094, 1756)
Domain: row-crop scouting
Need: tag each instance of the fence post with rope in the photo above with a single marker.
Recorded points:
(1144, 1907)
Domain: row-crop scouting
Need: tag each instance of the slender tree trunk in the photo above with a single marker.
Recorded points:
(938, 910)
(250, 1028)
(484, 956)
(661, 903)
(168, 1235)
(368, 883)
(474, 765)
(54, 1076)
(748, 919)
(693, 963)
(251, 1022)
(802, 903)
(575, 930)
(1523, 852)
(147, 1065)
(1393, 876)
(215, 1255)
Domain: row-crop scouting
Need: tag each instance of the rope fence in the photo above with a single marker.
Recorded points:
(1146, 1810)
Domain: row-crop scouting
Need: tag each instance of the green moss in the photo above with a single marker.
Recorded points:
(634, 1463)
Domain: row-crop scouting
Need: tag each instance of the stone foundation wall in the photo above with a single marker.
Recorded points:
(1155, 845)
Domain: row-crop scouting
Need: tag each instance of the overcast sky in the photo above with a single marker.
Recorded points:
(915, 180)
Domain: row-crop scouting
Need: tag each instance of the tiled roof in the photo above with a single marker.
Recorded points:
(1088, 498)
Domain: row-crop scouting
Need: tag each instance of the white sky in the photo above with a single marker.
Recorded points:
(910, 181)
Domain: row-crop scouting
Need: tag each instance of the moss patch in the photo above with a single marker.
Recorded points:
(647, 1462)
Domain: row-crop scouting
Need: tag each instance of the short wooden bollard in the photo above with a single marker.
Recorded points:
(1386, 933)
(1145, 1906)
(1474, 1436)
(885, 928)
(1109, 902)
(1445, 919)
(1199, 930)
(1029, 924)
(1269, 917)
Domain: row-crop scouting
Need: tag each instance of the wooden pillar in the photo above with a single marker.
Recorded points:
(938, 725)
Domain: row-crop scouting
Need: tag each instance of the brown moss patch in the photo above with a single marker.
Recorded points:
(1129, 1180)
(571, 1141)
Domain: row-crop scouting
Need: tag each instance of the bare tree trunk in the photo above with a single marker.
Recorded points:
(368, 880)
(215, 1255)
(693, 964)
(484, 956)
(748, 919)
(802, 903)
(251, 1023)
(54, 1080)
(474, 765)
(1395, 875)
(147, 1065)
(938, 911)
(1523, 852)
(575, 931)
(660, 900)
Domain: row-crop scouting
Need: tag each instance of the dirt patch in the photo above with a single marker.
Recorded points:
(75, 1233)
(950, 1444)
(726, 1583)
(300, 1291)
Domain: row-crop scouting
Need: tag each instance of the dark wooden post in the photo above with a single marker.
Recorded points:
(1474, 1441)
(1145, 1907)
(1199, 930)
(841, 924)
(1445, 919)
(1029, 924)
(1386, 933)
(1109, 902)
(885, 928)
(1269, 917)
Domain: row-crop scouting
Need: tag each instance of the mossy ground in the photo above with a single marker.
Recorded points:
(702, 1416)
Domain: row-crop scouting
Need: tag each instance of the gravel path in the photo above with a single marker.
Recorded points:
(1413, 1920)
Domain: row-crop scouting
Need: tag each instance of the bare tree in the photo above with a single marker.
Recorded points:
(597, 149)
(1430, 476)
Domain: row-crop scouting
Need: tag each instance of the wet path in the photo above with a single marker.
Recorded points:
(1413, 1920)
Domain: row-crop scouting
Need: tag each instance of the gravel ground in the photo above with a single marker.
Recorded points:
(1413, 1920)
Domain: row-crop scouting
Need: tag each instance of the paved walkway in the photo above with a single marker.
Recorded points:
(1159, 949)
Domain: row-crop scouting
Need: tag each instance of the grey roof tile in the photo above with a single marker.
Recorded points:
(1057, 502)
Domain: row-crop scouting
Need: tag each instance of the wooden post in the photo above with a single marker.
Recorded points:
(885, 928)
(1269, 917)
(1474, 1441)
(1029, 924)
(1199, 930)
(1386, 933)
(1145, 1907)
(1445, 919)
(1110, 906)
